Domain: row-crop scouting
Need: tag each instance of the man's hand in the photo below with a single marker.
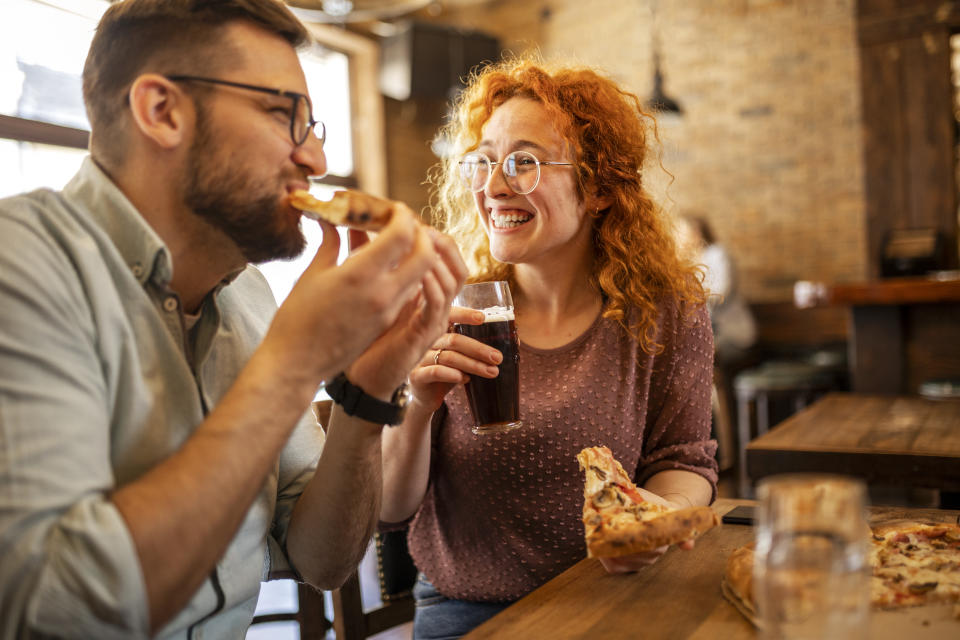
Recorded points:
(337, 512)
(388, 361)
(334, 313)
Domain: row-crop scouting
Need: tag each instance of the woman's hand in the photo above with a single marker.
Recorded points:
(451, 361)
(671, 498)
(637, 561)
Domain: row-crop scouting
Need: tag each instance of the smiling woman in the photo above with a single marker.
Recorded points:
(544, 189)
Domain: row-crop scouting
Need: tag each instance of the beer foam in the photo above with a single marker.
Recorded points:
(498, 314)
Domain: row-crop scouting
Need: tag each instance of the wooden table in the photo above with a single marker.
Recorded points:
(678, 597)
(903, 331)
(890, 440)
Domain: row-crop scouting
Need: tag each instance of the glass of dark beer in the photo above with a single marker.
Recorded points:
(494, 402)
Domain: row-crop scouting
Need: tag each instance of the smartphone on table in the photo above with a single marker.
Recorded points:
(742, 514)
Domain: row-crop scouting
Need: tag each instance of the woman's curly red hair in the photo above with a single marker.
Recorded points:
(636, 260)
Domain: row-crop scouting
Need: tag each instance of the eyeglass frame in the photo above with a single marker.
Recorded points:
(503, 162)
(293, 95)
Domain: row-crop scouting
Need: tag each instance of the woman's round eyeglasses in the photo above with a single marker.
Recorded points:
(521, 171)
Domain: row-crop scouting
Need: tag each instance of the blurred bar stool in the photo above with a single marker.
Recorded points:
(771, 392)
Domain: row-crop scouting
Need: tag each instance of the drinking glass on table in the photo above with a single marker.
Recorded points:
(494, 402)
(811, 571)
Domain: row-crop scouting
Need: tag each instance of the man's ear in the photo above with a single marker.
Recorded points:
(161, 110)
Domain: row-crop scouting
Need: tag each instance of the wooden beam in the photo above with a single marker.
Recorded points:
(43, 132)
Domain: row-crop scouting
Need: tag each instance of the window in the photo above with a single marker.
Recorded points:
(329, 86)
(43, 124)
(44, 129)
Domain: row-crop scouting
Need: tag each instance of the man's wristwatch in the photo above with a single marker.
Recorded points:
(357, 402)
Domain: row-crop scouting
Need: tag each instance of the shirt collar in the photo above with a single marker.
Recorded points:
(92, 191)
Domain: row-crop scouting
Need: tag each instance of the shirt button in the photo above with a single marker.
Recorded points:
(137, 269)
(170, 304)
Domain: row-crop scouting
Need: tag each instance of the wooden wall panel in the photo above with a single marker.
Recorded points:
(884, 143)
(928, 127)
(908, 121)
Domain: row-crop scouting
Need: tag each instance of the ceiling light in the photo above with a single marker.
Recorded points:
(337, 8)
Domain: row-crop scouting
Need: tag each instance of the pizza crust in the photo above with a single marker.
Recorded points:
(670, 527)
(618, 520)
(347, 208)
(739, 577)
(907, 526)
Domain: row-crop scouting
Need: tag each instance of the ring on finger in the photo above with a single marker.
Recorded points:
(436, 358)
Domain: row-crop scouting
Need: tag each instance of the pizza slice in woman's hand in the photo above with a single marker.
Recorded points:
(618, 520)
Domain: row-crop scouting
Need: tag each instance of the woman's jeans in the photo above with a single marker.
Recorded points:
(440, 618)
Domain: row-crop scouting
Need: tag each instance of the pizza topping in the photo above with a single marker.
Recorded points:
(632, 492)
(922, 587)
(606, 498)
(600, 472)
(913, 564)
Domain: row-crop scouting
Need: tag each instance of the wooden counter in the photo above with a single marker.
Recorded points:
(895, 291)
(903, 331)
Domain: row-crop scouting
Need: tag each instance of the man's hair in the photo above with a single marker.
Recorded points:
(165, 37)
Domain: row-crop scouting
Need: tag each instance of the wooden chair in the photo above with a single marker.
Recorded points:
(350, 620)
(310, 614)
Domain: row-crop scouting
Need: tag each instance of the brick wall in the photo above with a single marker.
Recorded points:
(769, 146)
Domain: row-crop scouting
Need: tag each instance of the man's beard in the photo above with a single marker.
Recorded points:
(247, 211)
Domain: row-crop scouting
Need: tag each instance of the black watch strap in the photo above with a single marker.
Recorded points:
(357, 402)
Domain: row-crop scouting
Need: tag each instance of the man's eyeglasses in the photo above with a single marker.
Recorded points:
(301, 109)
(521, 170)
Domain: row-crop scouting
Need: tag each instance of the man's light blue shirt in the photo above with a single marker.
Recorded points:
(99, 382)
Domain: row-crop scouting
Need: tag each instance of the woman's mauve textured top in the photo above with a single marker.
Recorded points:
(502, 513)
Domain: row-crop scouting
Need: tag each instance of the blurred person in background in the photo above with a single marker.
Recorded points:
(546, 192)
(734, 328)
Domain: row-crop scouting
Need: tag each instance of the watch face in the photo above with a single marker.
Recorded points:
(401, 396)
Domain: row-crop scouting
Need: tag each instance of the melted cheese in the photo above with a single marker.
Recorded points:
(912, 568)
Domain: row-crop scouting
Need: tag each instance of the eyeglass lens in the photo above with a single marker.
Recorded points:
(521, 170)
(302, 117)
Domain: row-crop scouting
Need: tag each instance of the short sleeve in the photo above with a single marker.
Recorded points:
(679, 413)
